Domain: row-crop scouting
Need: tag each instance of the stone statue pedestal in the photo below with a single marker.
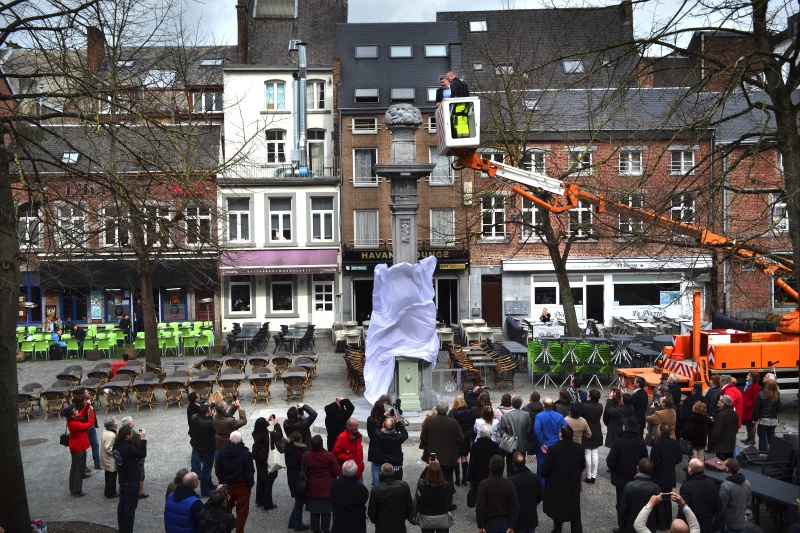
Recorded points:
(407, 382)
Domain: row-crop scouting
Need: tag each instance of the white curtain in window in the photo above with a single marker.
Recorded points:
(366, 228)
(364, 159)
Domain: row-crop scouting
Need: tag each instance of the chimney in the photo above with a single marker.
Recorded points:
(95, 44)
(627, 11)
(241, 31)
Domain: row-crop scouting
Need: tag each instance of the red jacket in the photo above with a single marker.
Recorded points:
(736, 397)
(322, 469)
(347, 448)
(749, 400)
(78, 439)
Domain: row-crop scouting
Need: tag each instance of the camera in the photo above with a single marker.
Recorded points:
(666, 496)
(234, 398)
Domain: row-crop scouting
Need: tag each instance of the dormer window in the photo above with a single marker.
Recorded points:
(69, 158)
(211, 62)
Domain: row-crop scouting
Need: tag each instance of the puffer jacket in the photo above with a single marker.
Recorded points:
(734, 493)
(765, 408)
(390, 444)
(465, 419)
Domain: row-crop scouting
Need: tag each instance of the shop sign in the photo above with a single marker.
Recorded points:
(452, 266)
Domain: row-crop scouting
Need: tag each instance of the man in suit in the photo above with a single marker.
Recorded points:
(458, 88)
(640, 401)
(444, 91)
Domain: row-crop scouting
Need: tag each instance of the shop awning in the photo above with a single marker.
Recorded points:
(179, 273)
(267, 262)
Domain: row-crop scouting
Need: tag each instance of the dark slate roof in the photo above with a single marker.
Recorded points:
(385, 73)
(672, 71)
(630, 113)
(153, 149)
(316, 24)
(536, 40)
(132, 65)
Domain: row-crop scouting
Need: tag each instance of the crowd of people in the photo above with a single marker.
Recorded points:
(547, 449)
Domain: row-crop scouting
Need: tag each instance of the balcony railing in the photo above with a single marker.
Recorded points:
(262, 169)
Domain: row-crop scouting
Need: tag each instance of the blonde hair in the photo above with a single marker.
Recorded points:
(458, 403)
(215, 397)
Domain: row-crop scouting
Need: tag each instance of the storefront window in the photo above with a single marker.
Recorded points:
(174, 304)
(240, 294)
(544, 295)
(642, 293)
(282, 293)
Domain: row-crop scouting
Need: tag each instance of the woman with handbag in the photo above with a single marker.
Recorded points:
(322, 468)
(294, 452)
(695, 430)
(433, 500)
(265, 435)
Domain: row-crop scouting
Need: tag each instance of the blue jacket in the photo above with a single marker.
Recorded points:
(236, 465)
(181, 511)
(548, 425)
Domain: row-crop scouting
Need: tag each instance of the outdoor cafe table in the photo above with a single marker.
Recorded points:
(182, 380)
(644, 353)
(473, 351)
(517, 350)
(621, 355)
(570, 343)
(595, 357)
(661, 341)
(294, 374)
(294, 335)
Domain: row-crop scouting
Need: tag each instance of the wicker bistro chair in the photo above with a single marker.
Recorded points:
(260, 382)
(174, 387)
(34, 389)
(314, 358)
(308, 364)
(144, 393)
(504, 370)
(230, 386)
(295, 387)
(258, 360)
(25, 404)
(236, 363)
(122, 381)
(354, 361)
(281, 364)
(98, 373)
(114, 393)
(54, 401)
(212, 364)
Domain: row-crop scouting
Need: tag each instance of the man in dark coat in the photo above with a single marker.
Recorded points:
(619, 407)
(127, 457)
(390, 503)
(529, 494)
(634, 496)
(563, 468)
(639, 401)
(458, 89)
(441, 435)
(701, 494)
(481, 453)
(496, 505)
(203, 442)
(238, 472)
(349, 501)
(624, 456)
(726, 425)
(665, 455)
(336, 415)
(300, 419)
(533, 409)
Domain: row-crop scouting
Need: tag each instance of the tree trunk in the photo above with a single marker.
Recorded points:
(151, 348)
(15, 515)
(551, 241)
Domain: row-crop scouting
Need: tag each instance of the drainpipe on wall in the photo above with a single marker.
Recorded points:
(299, 159)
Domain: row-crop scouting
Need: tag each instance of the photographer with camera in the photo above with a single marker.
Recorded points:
(389, 439)
(225, 424)
(300, 419)
(677, 526)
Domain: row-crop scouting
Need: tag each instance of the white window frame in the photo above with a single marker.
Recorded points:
(276, 281)
(364, 180)
(70, 222)
(28, 225)
(360, 241)
(630, 163)
(280, 220)
(401, 51)
(627, 225)
(440, 176)
(364, 125)
(573, 66)
(322, 217)
(113, 223)
(160, 79)
(366, 51)
(237, 215)
(431, 124)
(316, 143)
(231, 285)
(477, 66)
(431, 93)
(681, 205)
(435, 50)
(578, 226)
(196, 216)
(403, 94)
(477, 26)
(581, 160)
(779, 216)
(276, 147)
(211, 62)
(443, 227)
(681, 162)
(315, 95)
(504, 70)
(274, 99)
(496, 208)
(207, 101)
(530, 220)
(366, 95)
(156, 217)
(70, 157)
(535, 161)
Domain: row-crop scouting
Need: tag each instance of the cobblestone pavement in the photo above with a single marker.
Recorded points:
(47, 463)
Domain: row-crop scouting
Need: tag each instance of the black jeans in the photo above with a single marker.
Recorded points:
(320, 520)
(111, 484)
(449, 472)
(76, 471)
(126, 509)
